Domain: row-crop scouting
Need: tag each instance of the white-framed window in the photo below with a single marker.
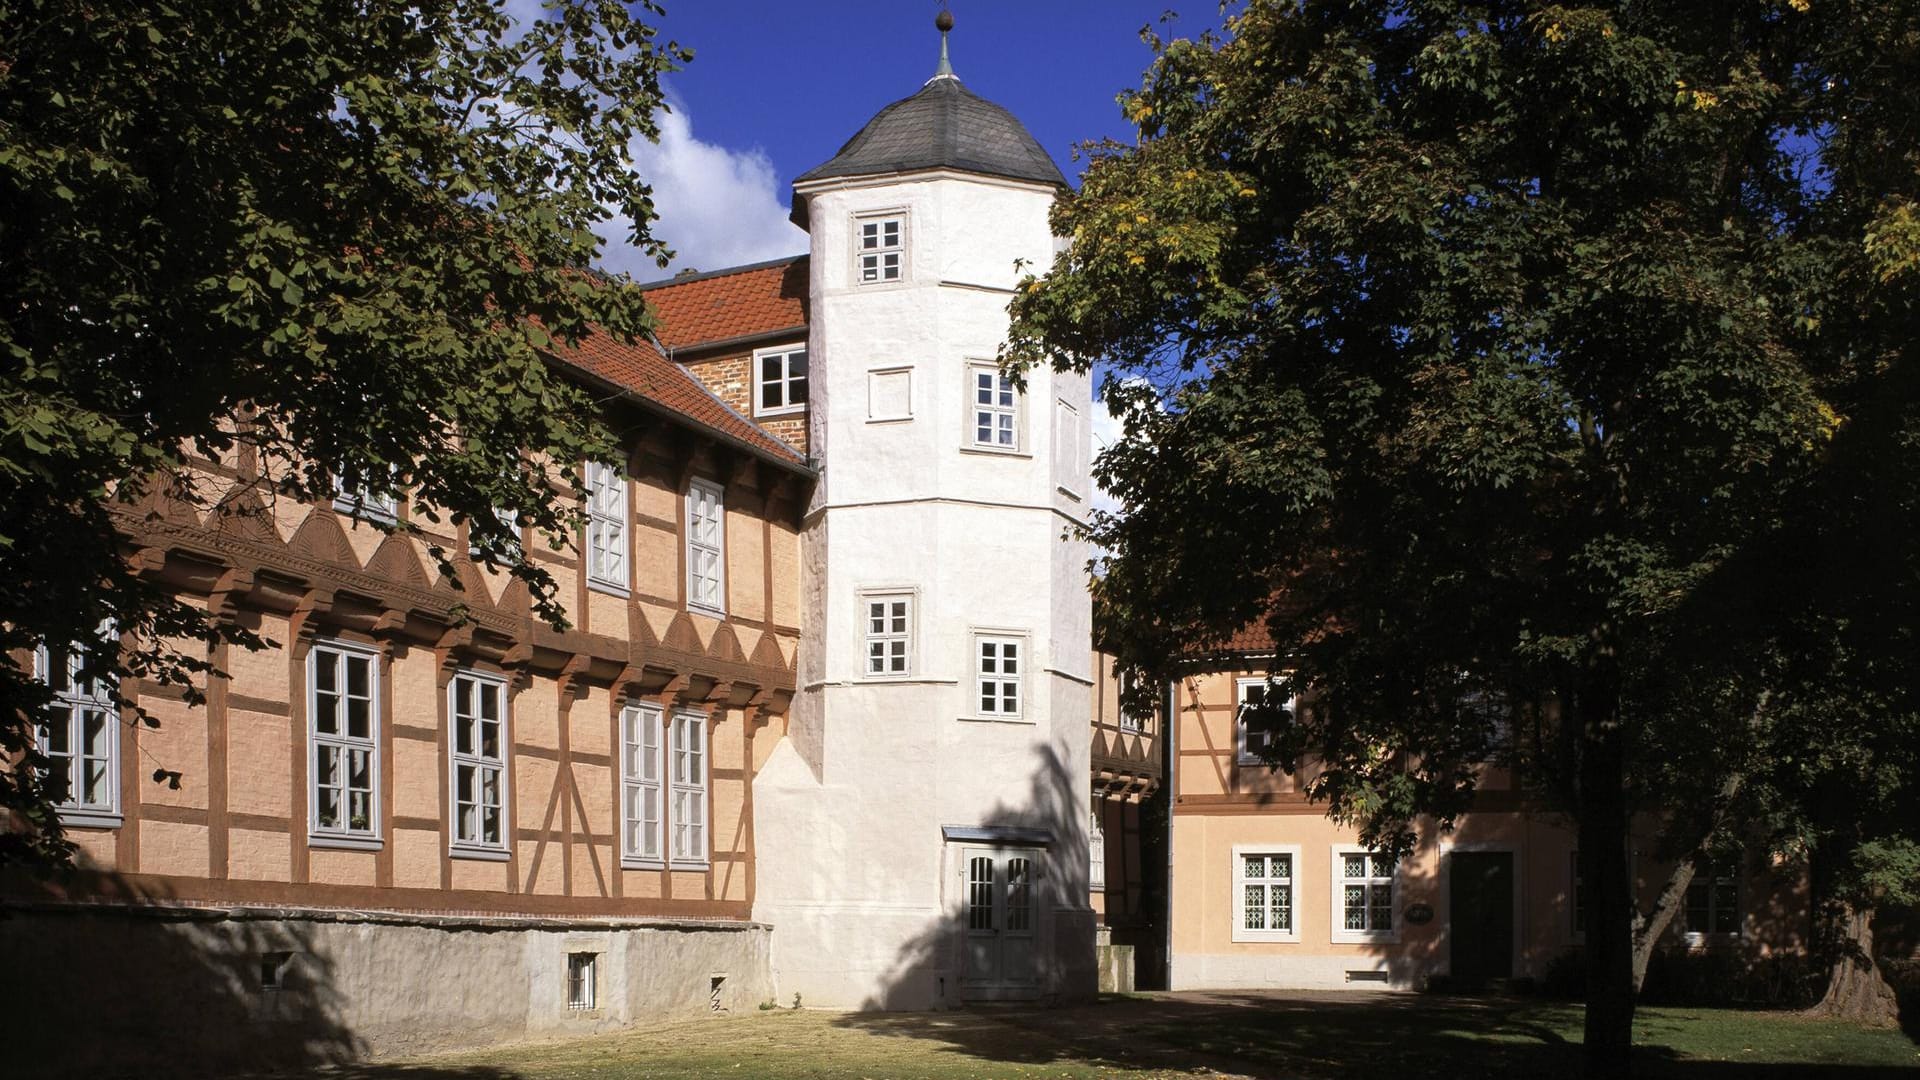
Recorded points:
(1363, 896)
(510, 521)
(1265, 892)
(889, 634)
(363, 502)
(581, 979)
(688, 813)
(343, 745)
(606, 527)
(1130, 720)
(706, 548)
(1250, 741)
(880, 248)
(1713, 902)
(642, 786)
(1096, 852)
(477, 713)
(993, 409)
(779, 380)
(998, 661)
(81, 741)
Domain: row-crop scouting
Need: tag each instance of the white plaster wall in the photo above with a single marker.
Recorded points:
(852, 866)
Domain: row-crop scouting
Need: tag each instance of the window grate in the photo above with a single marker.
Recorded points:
(580, 979)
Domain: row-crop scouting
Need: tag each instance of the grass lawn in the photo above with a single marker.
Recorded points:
(1401, 1037)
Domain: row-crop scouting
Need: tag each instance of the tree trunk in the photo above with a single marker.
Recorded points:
(1856, 990)
(1608, 1038)
(1647, 932)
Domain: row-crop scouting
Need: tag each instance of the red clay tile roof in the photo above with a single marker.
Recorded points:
(642, 370)
(1249, 639)
(726, 305)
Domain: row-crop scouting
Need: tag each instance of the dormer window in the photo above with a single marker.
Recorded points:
(880, 248)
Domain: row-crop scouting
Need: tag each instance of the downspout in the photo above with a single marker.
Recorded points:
(1172, 721)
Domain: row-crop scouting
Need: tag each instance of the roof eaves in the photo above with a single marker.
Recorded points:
(758, 336)
(796, 464)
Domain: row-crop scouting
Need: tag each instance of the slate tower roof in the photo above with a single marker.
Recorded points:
(944, 126)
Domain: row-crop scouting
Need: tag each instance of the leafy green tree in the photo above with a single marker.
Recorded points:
(331, 235)
(1491, 354)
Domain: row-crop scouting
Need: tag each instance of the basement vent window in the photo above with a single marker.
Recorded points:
(274, 967)
(714, 983)
(580, 980)
(1367, 976)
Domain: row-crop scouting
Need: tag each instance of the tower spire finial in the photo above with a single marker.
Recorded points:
(943, 22)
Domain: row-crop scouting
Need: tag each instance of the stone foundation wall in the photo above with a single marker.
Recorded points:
(99, 991)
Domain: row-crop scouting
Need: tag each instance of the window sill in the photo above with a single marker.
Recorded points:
(479, 854)
(621, 591)
(632, 863)
(691, 864)
(1352, 937)
(907, 419)
(90, 819)
(995, 451)
(709, 612)
(345, 843)
(1268, 936)
(775, 414)
(998, 720)
(371, 517)
(1699, 939)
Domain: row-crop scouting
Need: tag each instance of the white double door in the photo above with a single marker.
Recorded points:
(1001, 916)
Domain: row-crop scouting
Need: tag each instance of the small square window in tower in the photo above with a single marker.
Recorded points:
(997, 668)
(995, 409)
(889, 635)
(880, 248)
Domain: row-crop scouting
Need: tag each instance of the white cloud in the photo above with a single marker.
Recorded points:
(714, 207)
(1106, 432)
(717, 207)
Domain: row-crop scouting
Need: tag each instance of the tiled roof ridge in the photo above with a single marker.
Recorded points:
(708, 275)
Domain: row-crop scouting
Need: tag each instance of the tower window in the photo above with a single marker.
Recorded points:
(880, 248)
(997, 675)
(993, 409)
(889, 634)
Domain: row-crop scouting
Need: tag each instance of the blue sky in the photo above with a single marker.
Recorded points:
(775, 88)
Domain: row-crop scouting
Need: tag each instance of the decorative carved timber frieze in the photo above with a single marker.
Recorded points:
(314, 579)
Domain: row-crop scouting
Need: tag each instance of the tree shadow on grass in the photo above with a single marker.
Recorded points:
(1310, 1036)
